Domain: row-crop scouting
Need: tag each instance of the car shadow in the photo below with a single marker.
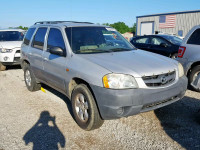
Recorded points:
(45, 134)
(14, 67)
(61, 96)
(181, 122)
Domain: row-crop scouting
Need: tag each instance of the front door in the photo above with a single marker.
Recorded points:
(160, 46)
(55, 65)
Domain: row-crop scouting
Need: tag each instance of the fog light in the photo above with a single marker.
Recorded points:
(5, 58)
(120, 111)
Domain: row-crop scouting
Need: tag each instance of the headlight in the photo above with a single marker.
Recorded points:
(119, 81)
(4, 50)
(180, 70)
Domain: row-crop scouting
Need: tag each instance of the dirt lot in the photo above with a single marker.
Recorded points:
(36, 120)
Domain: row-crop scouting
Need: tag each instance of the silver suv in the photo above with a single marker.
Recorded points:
(105, 78)
(189, 57)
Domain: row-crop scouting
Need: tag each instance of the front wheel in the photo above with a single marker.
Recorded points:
(30, 80)
(2, 67)
(84, 107)
(194, 78)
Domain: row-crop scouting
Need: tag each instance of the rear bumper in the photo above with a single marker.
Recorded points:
(115, 104)
(186, 64)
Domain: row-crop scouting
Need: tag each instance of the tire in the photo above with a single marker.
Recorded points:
(2, 67)
(83, 100)
(174, 56)
(192, 74)
(30, 80)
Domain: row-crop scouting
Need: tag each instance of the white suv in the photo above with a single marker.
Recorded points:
(10, 45)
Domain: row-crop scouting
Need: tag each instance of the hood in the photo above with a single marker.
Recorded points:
(10, 44)
(137, 63)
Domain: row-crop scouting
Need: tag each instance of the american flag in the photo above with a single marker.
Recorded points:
(167, 21)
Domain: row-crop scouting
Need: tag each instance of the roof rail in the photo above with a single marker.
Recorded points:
(56, 22)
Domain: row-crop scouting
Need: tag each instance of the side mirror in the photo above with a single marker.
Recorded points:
(163, 45)
(57, 51)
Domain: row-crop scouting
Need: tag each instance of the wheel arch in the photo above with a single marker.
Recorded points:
(192, 66)
(24, 62)
(76, 81)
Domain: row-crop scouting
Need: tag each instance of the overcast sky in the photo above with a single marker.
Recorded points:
(25, 12)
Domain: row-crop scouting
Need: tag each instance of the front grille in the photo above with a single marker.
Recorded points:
(160, 80)
(18, 51)
(148, 106)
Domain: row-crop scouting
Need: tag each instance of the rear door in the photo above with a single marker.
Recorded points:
(36, 52)
(55, 65)
(27, 41)
(142, 43)
(193, 45)
(160, 46)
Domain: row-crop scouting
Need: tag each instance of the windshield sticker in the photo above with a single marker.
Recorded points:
(114, 35)
(110, 29)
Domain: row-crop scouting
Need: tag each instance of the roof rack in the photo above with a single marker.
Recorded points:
(56, 22)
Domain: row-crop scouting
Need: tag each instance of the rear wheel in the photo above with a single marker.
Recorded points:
(30, 80)
(2, 67)
(194, 78)
(84, 107)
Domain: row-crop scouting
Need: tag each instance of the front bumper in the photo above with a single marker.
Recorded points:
(115, 104)
(10, 58)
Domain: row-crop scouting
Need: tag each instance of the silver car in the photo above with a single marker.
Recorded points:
(104, 79)
(189, 57)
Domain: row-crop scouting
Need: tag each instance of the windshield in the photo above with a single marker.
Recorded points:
(173, 39)
(11, 36)
(96, 40)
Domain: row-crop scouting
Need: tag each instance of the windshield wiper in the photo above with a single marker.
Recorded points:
(120, 49)
(96, 50)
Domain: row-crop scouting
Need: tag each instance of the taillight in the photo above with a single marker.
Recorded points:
(181, 51)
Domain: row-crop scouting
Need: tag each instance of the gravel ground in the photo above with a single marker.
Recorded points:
(38, 120)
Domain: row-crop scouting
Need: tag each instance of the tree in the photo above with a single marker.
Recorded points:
(121, 27)
(106, 24)
(23, 28)
(133, 28)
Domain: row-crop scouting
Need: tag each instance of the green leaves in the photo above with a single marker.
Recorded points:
(122, 27)
(23, 28)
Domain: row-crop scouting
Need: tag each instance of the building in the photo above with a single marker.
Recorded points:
(176, 23)
(128, 35)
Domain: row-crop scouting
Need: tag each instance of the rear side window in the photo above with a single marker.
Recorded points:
(28, 36)
(55, 39)
(142, 40)
(38, 41)
(195, 38)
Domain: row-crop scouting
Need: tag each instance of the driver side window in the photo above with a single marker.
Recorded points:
(55, 39)
(157, 41)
